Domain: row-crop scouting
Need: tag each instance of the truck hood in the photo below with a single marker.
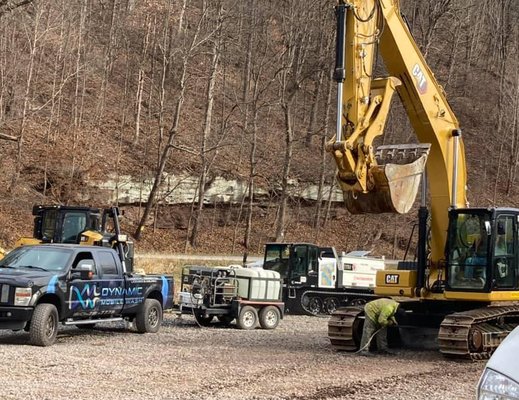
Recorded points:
(504, 359)
(22, 277)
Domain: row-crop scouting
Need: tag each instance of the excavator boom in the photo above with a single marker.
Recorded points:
(387, 179)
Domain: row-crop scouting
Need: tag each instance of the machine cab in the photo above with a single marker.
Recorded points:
(64, 224)
(295, 262)
(482, 253)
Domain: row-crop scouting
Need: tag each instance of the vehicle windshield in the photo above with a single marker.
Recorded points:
(469, 238)
(38, 258)
(276, 258)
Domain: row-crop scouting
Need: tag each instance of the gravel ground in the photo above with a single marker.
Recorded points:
(183, 361)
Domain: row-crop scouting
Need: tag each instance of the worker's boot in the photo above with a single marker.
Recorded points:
(387, 352)
(366, 353)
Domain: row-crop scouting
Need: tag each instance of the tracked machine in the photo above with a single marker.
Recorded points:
(464, 285)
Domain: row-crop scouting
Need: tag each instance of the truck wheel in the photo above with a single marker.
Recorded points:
(44, 325)
(248, 318)
(204, 321)
(357, 302)
(269, 317)
(150, 317)
(315, 305)
(331, 304)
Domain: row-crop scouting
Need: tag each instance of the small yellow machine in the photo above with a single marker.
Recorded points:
(79, 225)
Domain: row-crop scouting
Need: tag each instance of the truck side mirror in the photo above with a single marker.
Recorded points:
(84, 270)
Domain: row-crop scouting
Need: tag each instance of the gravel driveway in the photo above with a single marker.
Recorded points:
(183, 361)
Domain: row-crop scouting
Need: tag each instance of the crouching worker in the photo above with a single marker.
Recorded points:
(380, 314)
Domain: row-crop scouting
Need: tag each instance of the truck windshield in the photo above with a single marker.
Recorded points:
(39, 258)
(469, 238)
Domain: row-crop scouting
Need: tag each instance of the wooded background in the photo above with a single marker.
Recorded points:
(240, 89)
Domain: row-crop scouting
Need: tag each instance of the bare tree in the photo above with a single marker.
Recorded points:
(206, 129)
(192, 44)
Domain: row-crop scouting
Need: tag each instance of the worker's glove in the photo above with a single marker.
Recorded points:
(392, 322)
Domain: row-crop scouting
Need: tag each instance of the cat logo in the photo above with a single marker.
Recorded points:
(392, 279)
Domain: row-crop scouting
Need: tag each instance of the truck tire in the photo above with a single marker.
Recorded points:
(44, 325)
(150, 317)
(269, 317)
(248, 318)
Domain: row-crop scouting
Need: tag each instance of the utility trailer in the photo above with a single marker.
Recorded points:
(249, 296)
(316, 280)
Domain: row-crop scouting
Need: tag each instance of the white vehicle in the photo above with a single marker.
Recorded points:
(316, 280)
(500, 379)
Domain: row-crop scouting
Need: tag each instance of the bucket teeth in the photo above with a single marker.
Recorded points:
(401, 153)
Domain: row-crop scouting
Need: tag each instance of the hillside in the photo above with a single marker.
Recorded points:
(98, 88)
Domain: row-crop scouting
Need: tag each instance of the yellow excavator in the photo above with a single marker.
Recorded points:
(464, 284)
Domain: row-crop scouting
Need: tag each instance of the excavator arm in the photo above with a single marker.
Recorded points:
(387, 179)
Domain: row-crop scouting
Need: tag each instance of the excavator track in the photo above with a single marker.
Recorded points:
(475, 334)
(345, 328)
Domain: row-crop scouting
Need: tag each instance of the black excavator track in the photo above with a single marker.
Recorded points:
(345, 328)
(475, 334)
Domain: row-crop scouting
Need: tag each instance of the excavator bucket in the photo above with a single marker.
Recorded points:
(396, 180)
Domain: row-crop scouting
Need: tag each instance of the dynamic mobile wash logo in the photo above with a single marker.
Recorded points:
(89, 297)
(85, 298)
(419, 77)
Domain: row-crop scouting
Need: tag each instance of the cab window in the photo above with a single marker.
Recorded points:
(49, 224)
(504, 265)
(107, 264)
(73, 224)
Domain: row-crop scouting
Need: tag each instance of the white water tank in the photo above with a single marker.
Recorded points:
(258, 284)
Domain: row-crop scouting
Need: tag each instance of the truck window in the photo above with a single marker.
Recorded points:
(107, 264)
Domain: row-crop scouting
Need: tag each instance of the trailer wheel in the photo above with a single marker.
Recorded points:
(150, 317)
(44, 325)
(248, 318)
(269, 317)
(331, 304)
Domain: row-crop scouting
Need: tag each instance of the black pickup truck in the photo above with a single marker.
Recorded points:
(43, 285)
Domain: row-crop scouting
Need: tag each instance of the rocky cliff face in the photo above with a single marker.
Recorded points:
(182, 189)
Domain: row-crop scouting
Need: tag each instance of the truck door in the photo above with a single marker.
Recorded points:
(83, 295)
(111, 283)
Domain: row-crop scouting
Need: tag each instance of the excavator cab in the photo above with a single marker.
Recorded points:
(482, 250)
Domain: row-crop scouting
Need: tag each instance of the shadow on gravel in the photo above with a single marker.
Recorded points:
(22, 338)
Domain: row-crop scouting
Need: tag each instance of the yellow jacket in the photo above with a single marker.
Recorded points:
(382, 311)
